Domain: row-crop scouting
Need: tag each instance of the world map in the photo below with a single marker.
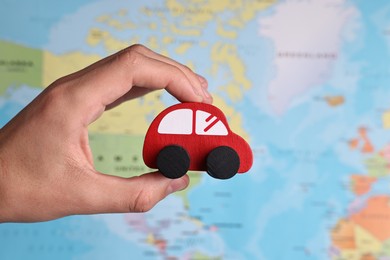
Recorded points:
(306, 83)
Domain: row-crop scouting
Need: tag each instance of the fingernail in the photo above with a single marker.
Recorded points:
(203, 81)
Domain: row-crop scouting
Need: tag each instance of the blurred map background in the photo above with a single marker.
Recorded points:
(306, 82)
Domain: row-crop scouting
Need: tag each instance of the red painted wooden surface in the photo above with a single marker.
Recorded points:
(184, 134)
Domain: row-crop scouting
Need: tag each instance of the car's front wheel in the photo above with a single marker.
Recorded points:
(223, 162)
(173, 161)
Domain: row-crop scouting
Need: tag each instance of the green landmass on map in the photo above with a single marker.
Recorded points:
(118, 155)
(19, 65)
(121, 155)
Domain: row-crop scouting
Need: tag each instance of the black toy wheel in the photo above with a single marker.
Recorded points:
(222, 162)
(173, 161)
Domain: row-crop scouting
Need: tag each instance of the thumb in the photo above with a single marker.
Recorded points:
(110, 194)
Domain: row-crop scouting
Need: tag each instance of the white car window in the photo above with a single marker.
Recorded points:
(177, 122)
(208, 124)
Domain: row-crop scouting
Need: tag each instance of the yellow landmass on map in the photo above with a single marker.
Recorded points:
(354, 242)
(365, 242)
(185, 32)
(103, 18)
(97, 36)
(181, 49)
(118, 25)
(386, 119)
(153, 26)
(223, 55)
(161, 244)
(196, 221)
(131, 118)
(192, 18)
(122, 12)
(56, 66)
(196, 13)
(222, 31)
(167, 40)
(153, 43)
(366, 245)
(150, 239)
(190, 12)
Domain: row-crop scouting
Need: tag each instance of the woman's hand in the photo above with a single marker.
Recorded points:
(46, 165)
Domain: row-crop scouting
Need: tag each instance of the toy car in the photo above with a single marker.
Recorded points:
(195, 136)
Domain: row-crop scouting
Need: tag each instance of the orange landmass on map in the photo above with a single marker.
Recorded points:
(367, 145)
(361, 184)
(343, 235)
(363, 138)
(334, 101)
(375, 217)
(353, 143)
(161, 245)
(368, 257)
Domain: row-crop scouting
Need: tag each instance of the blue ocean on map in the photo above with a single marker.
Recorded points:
(306, 82)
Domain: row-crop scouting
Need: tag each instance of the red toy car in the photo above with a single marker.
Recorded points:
(195, 136)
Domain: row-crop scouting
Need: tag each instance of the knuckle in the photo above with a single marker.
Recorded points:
(137, 48)
(51, 98)
(187, 69)
(181, 78)
(130, 57)
(133, 54)
(67, 94)
(142, 203)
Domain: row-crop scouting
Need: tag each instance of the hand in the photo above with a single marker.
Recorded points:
(46, 165)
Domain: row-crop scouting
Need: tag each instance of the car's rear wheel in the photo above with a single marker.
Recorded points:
(173, 161)
(223, 162)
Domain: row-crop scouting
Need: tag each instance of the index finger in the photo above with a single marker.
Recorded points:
(108, 80)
